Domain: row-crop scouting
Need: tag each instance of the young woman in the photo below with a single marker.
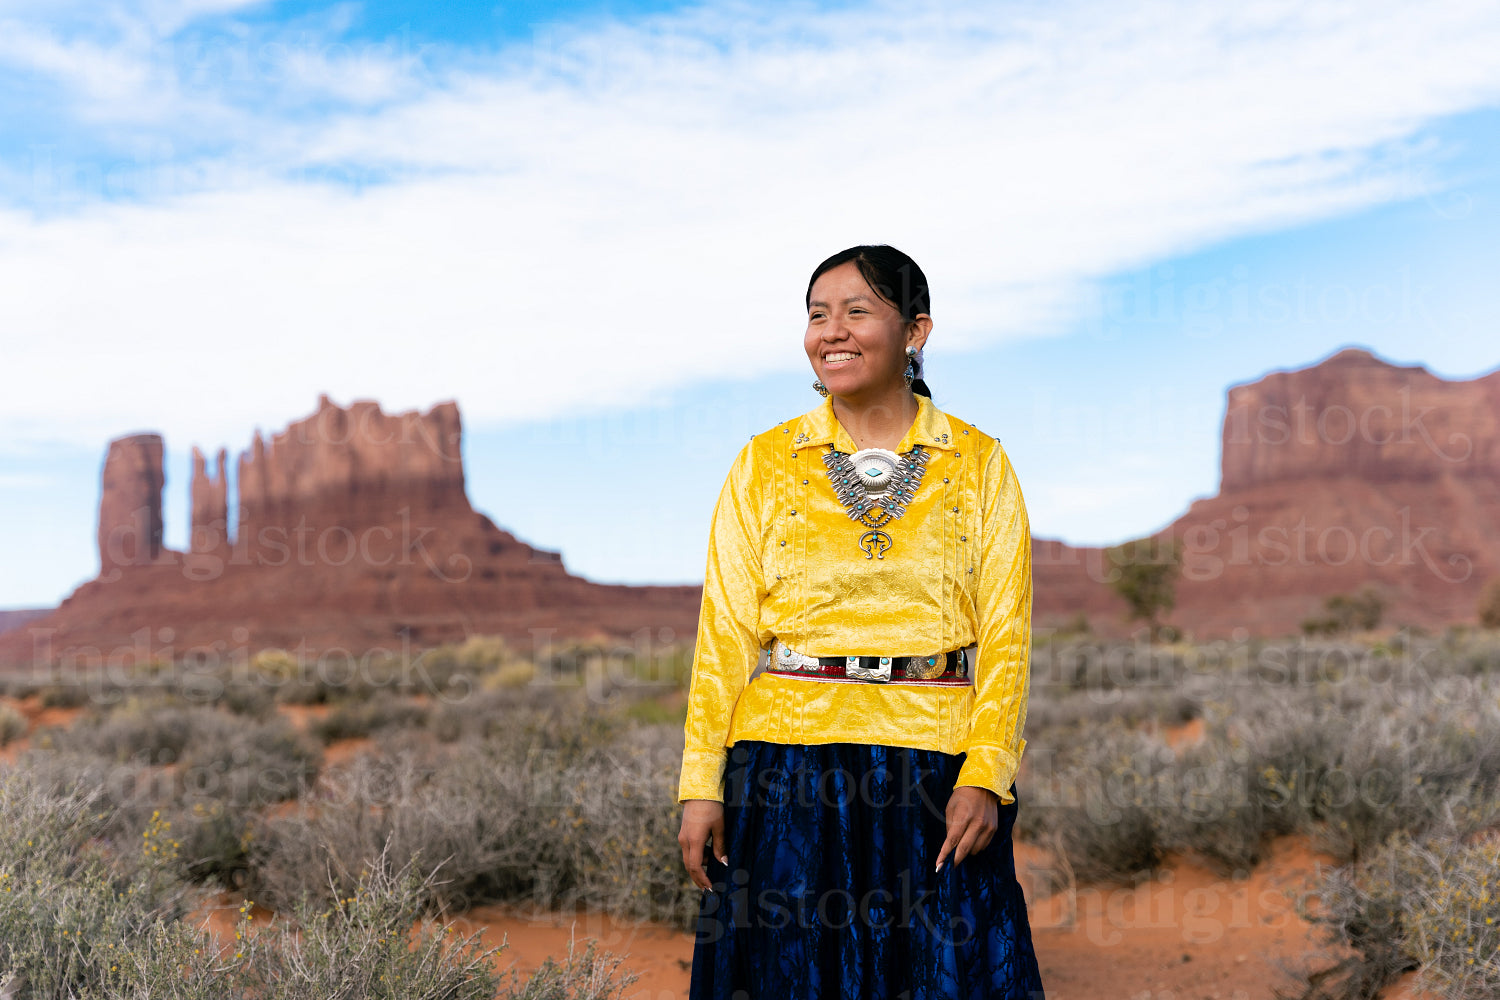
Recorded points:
(860, 682)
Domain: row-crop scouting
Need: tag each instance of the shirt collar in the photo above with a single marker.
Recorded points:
(819, 428)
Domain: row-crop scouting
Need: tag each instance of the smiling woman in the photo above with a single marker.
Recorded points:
(858, 692)
(853, 333)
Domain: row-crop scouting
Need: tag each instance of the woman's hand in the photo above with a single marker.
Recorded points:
(973, 818)
(700, 819)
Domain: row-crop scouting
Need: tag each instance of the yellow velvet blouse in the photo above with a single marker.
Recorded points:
(784, 564)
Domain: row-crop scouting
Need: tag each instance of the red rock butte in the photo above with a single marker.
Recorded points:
(354, 532)
(1351, 473)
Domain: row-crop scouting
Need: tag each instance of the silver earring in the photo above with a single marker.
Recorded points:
(911, 365)
(820, 388)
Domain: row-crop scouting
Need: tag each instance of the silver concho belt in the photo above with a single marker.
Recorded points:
(950, 668)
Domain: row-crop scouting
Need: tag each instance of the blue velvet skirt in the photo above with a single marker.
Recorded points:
(830, 894)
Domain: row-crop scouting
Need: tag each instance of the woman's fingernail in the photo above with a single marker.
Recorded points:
(939, 867)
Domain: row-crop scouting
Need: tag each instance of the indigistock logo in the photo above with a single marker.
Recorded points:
(1215, 304)
(1211, 547)
(1207, 549)
(1390, 422)
(1212, 911)
(301, 544)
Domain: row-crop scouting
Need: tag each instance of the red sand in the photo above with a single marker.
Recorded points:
(1186, 933)
(37, 717)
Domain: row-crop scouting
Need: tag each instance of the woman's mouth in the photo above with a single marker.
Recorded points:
(838, 358)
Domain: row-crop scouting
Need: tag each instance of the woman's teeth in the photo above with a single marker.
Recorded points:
(839, 357)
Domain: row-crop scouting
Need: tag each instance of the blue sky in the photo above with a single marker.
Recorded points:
(591, 225)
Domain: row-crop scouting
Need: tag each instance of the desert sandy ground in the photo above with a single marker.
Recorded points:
(1184, 935)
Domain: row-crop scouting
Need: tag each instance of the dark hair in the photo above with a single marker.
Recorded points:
(895, 277)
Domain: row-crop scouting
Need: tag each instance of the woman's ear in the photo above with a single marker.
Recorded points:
(918, 329)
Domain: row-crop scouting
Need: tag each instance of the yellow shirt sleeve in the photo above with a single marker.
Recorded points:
(728, 645)
(1002, 677)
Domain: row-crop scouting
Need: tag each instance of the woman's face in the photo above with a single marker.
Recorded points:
(856, 340)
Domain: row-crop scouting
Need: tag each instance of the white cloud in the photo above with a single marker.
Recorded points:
(595, 215)
(25, 481)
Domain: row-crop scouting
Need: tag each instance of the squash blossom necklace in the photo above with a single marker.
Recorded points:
(871, 479)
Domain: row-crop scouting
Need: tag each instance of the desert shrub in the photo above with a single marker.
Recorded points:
(151, 732)
(82, 921)
(1344, 743)
(585, 976)
(64, 696)
(447, 811)
(245, 762)
(326, 679)
(1153, 704)
(40, 824)
(485, 713)
(476, 656)
(1415, 903)
(361, 944)
(1098, 805)
(385, 711)
(1479, 655)
(606, 673)
(1359, 907)
(509, 675)
(1489, 604)
(479, 716)
(1215, 811)
(1320, 625)
(651, 711)
(214, 840)
(248, 699)
(212, 835)
(1344, 613)
(127, 793)
(555, 717)
(19, 686)
(1452, 924)
(1144, 572)
(316, 680)
(284, 676)
(68, 911)
(12, 725)
(376, 942)
(1352, 775)
(559, 820)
